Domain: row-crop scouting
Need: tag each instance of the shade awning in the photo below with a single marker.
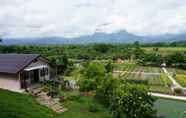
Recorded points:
(35, 67)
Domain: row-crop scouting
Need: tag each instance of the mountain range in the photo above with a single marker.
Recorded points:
(98, 37)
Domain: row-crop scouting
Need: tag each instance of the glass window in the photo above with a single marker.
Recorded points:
(43, 71)
(46, 71)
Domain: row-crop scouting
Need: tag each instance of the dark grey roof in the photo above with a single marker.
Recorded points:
(13, 63)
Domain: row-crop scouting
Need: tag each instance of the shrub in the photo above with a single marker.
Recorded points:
(45, 88)
(86, 85)
(178, 91)
(72, 98)
(93, 107)
(61, 98)
(139, 81)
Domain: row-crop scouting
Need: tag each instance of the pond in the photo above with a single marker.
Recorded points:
(171, 108)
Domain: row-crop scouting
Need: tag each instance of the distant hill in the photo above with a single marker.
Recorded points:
(98, 37)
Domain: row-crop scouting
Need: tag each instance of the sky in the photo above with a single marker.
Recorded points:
(72, 18)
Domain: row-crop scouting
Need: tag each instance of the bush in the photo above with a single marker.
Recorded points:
(72, 98)
(93, 107)
(86, 85)
(178, 91)
(45, 88)
(139, 81)
(62, 99)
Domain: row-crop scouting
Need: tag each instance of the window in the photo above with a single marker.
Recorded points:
(46, 71)
(43, 72)
(26, 74)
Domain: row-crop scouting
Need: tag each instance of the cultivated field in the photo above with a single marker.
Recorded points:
(165, 50)
(150, 76)
(179, 75)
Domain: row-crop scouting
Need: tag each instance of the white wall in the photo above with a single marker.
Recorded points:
(10, 82)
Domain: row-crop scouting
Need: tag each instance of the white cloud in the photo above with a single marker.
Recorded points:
(23, 18)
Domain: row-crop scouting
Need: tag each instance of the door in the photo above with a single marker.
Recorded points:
(36, 75)
(23, 80)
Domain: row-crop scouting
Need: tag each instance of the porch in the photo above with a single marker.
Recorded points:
(32, 76)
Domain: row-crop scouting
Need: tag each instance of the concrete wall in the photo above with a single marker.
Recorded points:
(10, 82)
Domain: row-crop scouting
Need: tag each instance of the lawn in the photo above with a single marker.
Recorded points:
(15, 105)
(171, 108)
(79, 107)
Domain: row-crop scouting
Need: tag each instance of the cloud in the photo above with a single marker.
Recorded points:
(70, 18)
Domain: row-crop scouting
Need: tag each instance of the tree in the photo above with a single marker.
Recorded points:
(138, 51)
(109, 67)
(131, 101)
(64, 66)
(176, 58)
(153, 59)
(125, 100)
(105, 89)
(102, 48)
(92, 74)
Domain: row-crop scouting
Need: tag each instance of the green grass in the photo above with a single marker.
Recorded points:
(15, 105)
(171, 108)
(179, 75)
(176, 71)
(160, 89)
(181, 79)
(79, 107)
(165, 50)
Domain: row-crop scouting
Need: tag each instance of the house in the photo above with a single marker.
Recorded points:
(20, 71)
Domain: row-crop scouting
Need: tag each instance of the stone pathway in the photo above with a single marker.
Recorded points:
(46, 100)
(43, 99)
